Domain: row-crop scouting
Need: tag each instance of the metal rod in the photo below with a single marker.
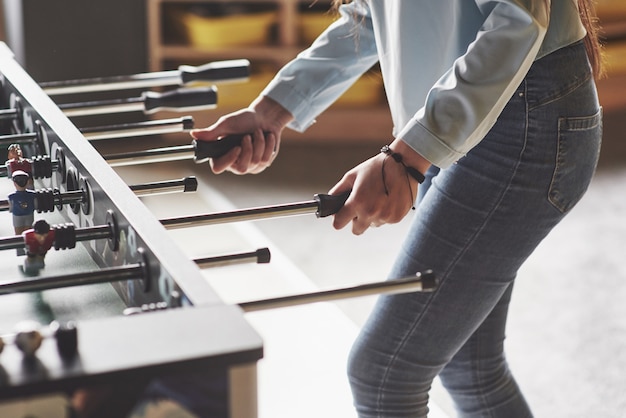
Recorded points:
(70, 197)
(7, 243)
(105, 275)
(66, 198)
(155, 155)
(137, 81)
(179, 100)
(200, 151)
(186, 184)
(133, 104)
(260, 256)
(228, 70)
(421, 282)
(153, 127)
(82, 234)
(8, 114)
(94, 232)
(264, 212)
(322, 205)
(27, 138)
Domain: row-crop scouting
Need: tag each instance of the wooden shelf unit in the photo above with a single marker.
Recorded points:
(350, 119)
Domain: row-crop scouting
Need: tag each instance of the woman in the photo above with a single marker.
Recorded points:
(494, 102)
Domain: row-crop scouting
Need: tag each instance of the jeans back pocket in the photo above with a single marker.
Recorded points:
(576, 161)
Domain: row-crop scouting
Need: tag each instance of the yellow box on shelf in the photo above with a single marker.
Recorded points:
(312, 24)
(237, 95)
(367, 91)
(227, 31)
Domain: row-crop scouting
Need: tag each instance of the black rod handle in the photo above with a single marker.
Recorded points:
(215, 149)
(228, 70)
(330, 204)
(180, 99)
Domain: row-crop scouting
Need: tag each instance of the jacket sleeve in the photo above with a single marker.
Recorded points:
(312, 81)
(466, 101)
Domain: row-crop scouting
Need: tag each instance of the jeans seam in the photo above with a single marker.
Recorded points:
(477, 377)
(561, 94)
(476, 358)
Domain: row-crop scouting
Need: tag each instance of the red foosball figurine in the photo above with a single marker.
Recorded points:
(38, 241)
(16, 161)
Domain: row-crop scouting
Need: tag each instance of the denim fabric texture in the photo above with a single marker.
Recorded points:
(476, 222)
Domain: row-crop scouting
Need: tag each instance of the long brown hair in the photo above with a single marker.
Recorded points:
(586, 9)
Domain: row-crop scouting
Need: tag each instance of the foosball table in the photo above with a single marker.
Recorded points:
(112, 301)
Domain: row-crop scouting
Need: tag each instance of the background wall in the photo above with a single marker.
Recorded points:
(74, 39)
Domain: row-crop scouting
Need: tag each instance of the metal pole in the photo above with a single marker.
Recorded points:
(260, 256)
(421, 282)
(105, 275)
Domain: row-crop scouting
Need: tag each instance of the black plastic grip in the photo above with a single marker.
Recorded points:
(64, 236)
(45, 199)
(429, 281)
(263, 255)
(41, 166)
(330, 204)
(215, 149)
(180, 99)
(215, 71)
(190, 184)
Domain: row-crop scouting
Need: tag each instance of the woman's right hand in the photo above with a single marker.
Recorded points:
(262, 123)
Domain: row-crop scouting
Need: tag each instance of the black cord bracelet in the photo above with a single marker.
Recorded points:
(416, 174)
(409, 171)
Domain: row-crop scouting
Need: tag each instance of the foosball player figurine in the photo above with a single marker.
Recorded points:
(28, 337)
(17, 162)
(21, 202)
(38, 241)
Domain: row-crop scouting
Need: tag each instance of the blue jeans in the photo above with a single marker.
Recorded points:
(475, 224)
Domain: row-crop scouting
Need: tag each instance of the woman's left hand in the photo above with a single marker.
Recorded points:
(377, 197)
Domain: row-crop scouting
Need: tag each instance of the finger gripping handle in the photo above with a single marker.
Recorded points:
(330, 204)
(215, 149)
